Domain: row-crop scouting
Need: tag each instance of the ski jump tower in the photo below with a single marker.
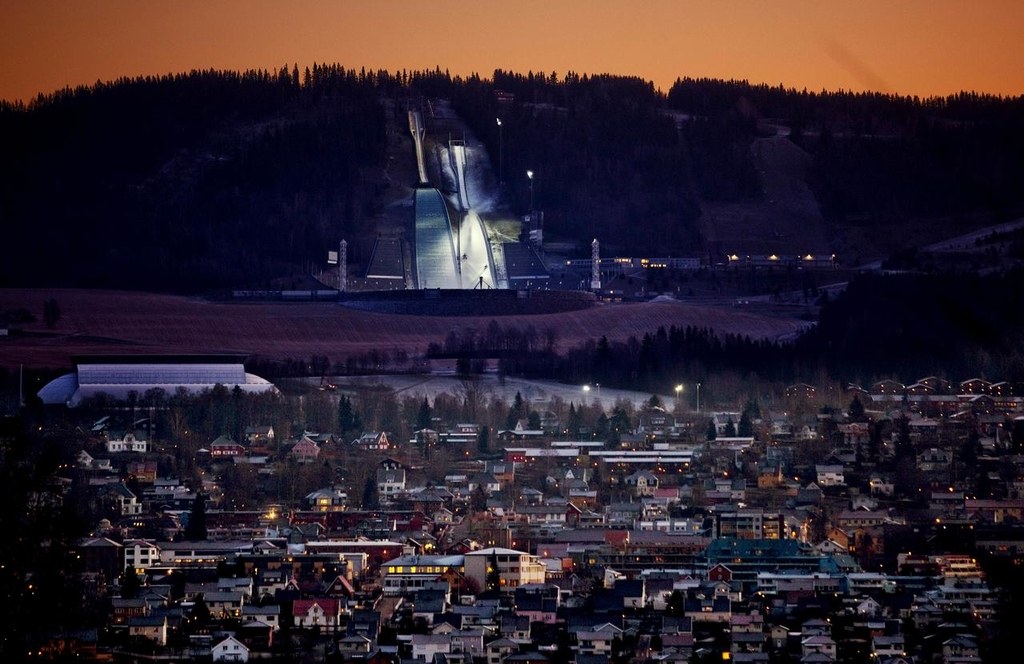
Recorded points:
(595, 265)
(417, 131)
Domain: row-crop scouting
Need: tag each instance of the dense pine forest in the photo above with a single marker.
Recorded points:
(215, 179)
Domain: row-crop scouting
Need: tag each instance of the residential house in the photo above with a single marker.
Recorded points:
(888, 646)
(327, 499)
(520, 432)
(426, 646)
(390, 482)
(470, 642)
(140, 555)
(934, 459)
(269, 615)
(305, 450)
(486, 481)
(888, 388)
(881, 486)
(259, 435)
(153, 628)
(86, 461)
(124, 609)
(462, 434)
(818, 644)
(230, 650)
(960, 649)
(642, 483)
(224, 446)
(376, 441)
(101, 555)
(498, 649)
(829, 475)
(539, 603)
(119, 442)
(354, 645)
(975, 386)
(118, 498)
(597, 640)
(308, 613)
(700, 607)
(852, 519)
(224, 604)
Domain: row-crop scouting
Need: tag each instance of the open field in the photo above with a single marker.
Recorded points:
(95, 321)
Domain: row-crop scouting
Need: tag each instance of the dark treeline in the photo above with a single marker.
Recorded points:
(911, 325)
(656, 362)
(878, 158)
(214, 178)
(495, 341)
(903, 326)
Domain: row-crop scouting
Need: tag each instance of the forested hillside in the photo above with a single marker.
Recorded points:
(216, 179)
(187, 182)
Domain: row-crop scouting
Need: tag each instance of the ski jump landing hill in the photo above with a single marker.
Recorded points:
(454, 269)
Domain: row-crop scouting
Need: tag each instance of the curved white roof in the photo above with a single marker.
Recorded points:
(118, 379)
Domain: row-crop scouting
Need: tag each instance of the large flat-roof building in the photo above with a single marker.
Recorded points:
(118, 376)
(515, 568)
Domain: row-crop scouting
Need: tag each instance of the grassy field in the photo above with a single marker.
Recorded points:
(94, 322)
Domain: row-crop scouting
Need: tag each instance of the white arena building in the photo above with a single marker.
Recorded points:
(117, 376)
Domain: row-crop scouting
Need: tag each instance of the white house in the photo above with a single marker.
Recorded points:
(126, 442)
(390, 482)
(830, 475)
(269, 615)
(140, 555)
(425, 646)
(230, 650)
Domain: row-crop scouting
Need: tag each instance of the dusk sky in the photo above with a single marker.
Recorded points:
(915, 47)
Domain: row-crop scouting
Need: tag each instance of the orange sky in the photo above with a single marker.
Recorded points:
(917, 47)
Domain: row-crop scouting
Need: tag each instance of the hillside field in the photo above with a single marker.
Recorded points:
(106, 322)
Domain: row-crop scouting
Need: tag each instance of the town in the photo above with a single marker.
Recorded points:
(230, 525)
(587, 333)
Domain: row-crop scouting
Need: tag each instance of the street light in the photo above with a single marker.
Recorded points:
(586, 391)
(501, 150)
(679, 388)
(529, 175)
(698, 398)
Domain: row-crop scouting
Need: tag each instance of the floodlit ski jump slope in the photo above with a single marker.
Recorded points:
(435, 251)
(477, 265)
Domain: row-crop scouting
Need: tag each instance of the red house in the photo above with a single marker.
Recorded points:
(316, 612)
(225, 447)
(720, 573)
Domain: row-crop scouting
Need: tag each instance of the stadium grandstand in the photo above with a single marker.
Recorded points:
(117, 376)
(523, 265)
